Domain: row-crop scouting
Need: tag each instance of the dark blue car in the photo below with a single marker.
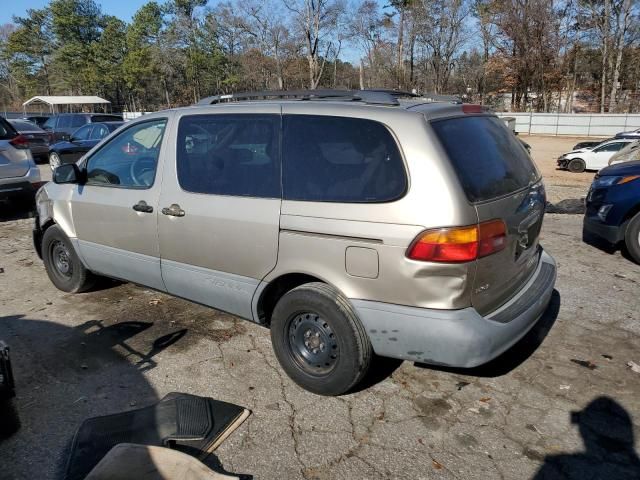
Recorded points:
(81, 141)
(613, 207)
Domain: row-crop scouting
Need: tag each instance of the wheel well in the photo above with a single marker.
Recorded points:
(276, 289)
(632, 212)
(39, 234)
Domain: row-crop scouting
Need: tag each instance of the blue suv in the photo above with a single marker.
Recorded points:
(613, 207)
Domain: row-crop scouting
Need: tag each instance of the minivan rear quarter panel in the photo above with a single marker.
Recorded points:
(315, 236)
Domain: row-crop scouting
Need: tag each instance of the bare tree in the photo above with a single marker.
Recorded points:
(443, 32)
(315, 20)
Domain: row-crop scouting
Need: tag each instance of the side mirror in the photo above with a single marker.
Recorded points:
(68, 173)
(73, 139)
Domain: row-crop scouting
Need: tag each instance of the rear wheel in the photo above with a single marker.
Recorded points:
(54, 160)
(576, 165)
(319, 341)
(64, 268)
(632, 238)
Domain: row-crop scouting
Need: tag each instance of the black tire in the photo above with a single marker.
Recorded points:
(63, 266)
(576, 165)
(335, 356)
(632, 238)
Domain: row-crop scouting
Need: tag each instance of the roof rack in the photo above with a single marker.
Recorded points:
(374, 97)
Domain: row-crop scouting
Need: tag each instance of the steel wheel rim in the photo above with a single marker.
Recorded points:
(312, 343)
(61, 259)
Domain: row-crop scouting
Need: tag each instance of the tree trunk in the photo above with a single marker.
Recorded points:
(605, 54)
(619, 47)
(400, 48)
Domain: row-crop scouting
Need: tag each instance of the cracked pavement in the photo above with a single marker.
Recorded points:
(123, 346)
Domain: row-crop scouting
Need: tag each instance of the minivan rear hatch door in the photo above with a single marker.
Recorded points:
(500, 180)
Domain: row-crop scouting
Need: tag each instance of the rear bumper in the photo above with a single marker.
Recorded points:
(19, 186)
(611, 233)
(457, 338)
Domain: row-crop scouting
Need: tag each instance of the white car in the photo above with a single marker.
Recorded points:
(592, 158)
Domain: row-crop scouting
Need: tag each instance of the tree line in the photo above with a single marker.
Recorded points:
(527, 55)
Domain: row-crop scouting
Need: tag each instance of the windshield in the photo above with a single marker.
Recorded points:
(488, 158)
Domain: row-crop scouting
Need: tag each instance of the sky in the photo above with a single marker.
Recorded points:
(123, 9)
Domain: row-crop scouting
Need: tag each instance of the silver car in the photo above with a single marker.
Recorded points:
(19, 175)
(352, 224)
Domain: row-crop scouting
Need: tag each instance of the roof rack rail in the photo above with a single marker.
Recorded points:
(374, 97)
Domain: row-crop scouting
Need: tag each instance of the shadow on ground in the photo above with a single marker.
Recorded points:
(518, 353)
(607, 433)
(17, 209)
(65, 375)
(574, 206)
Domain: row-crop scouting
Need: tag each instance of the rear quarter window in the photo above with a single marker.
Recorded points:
(339, 159)
(488, 158)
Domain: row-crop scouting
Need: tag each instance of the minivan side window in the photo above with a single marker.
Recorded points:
(229, 154)
(340, 159)
(129, 159)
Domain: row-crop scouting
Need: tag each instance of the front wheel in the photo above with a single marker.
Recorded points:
(576, 165)
(632, 238)
(319, 341)
(64, 268)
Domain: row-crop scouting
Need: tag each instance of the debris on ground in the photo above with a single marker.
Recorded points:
(633, 366)
(565, 387)
(155, 301)
(485, 399)
(461, 385)
(585, 363)
(436, 464)
(608, 357)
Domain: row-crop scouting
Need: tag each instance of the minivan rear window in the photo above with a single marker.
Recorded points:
(488, 158)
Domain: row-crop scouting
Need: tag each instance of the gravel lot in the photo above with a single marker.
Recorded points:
(122, 347)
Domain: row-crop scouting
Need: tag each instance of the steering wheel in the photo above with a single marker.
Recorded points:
(142, 170)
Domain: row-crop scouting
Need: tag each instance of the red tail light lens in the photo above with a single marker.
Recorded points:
(493, 237)
(19, 142)
(459, 244)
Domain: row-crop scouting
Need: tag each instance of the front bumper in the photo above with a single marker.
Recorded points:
(20, 186)
(611, 233)
(457, 338)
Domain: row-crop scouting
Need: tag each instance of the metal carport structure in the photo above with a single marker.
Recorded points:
(54, 101)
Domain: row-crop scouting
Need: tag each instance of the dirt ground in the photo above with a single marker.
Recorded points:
(561, 404)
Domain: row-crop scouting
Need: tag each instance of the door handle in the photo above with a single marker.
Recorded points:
(173, 211)
(142, 206)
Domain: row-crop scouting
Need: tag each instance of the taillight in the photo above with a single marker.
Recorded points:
(459, 244)
(19, 142)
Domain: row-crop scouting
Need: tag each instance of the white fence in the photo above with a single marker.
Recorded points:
(578, 124)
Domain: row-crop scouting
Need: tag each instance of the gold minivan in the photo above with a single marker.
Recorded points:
(350, 223)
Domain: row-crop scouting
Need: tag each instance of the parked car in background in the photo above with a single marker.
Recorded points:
(299, 215)
(39, 120)
(629, 134)
(37, 138)
(81, 141)
(613, 207)
(589, 144)
(19, 175)
(591, 158)
(63, 125)
(630, 153)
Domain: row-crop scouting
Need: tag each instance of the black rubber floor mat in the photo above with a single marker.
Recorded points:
(192, 424)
